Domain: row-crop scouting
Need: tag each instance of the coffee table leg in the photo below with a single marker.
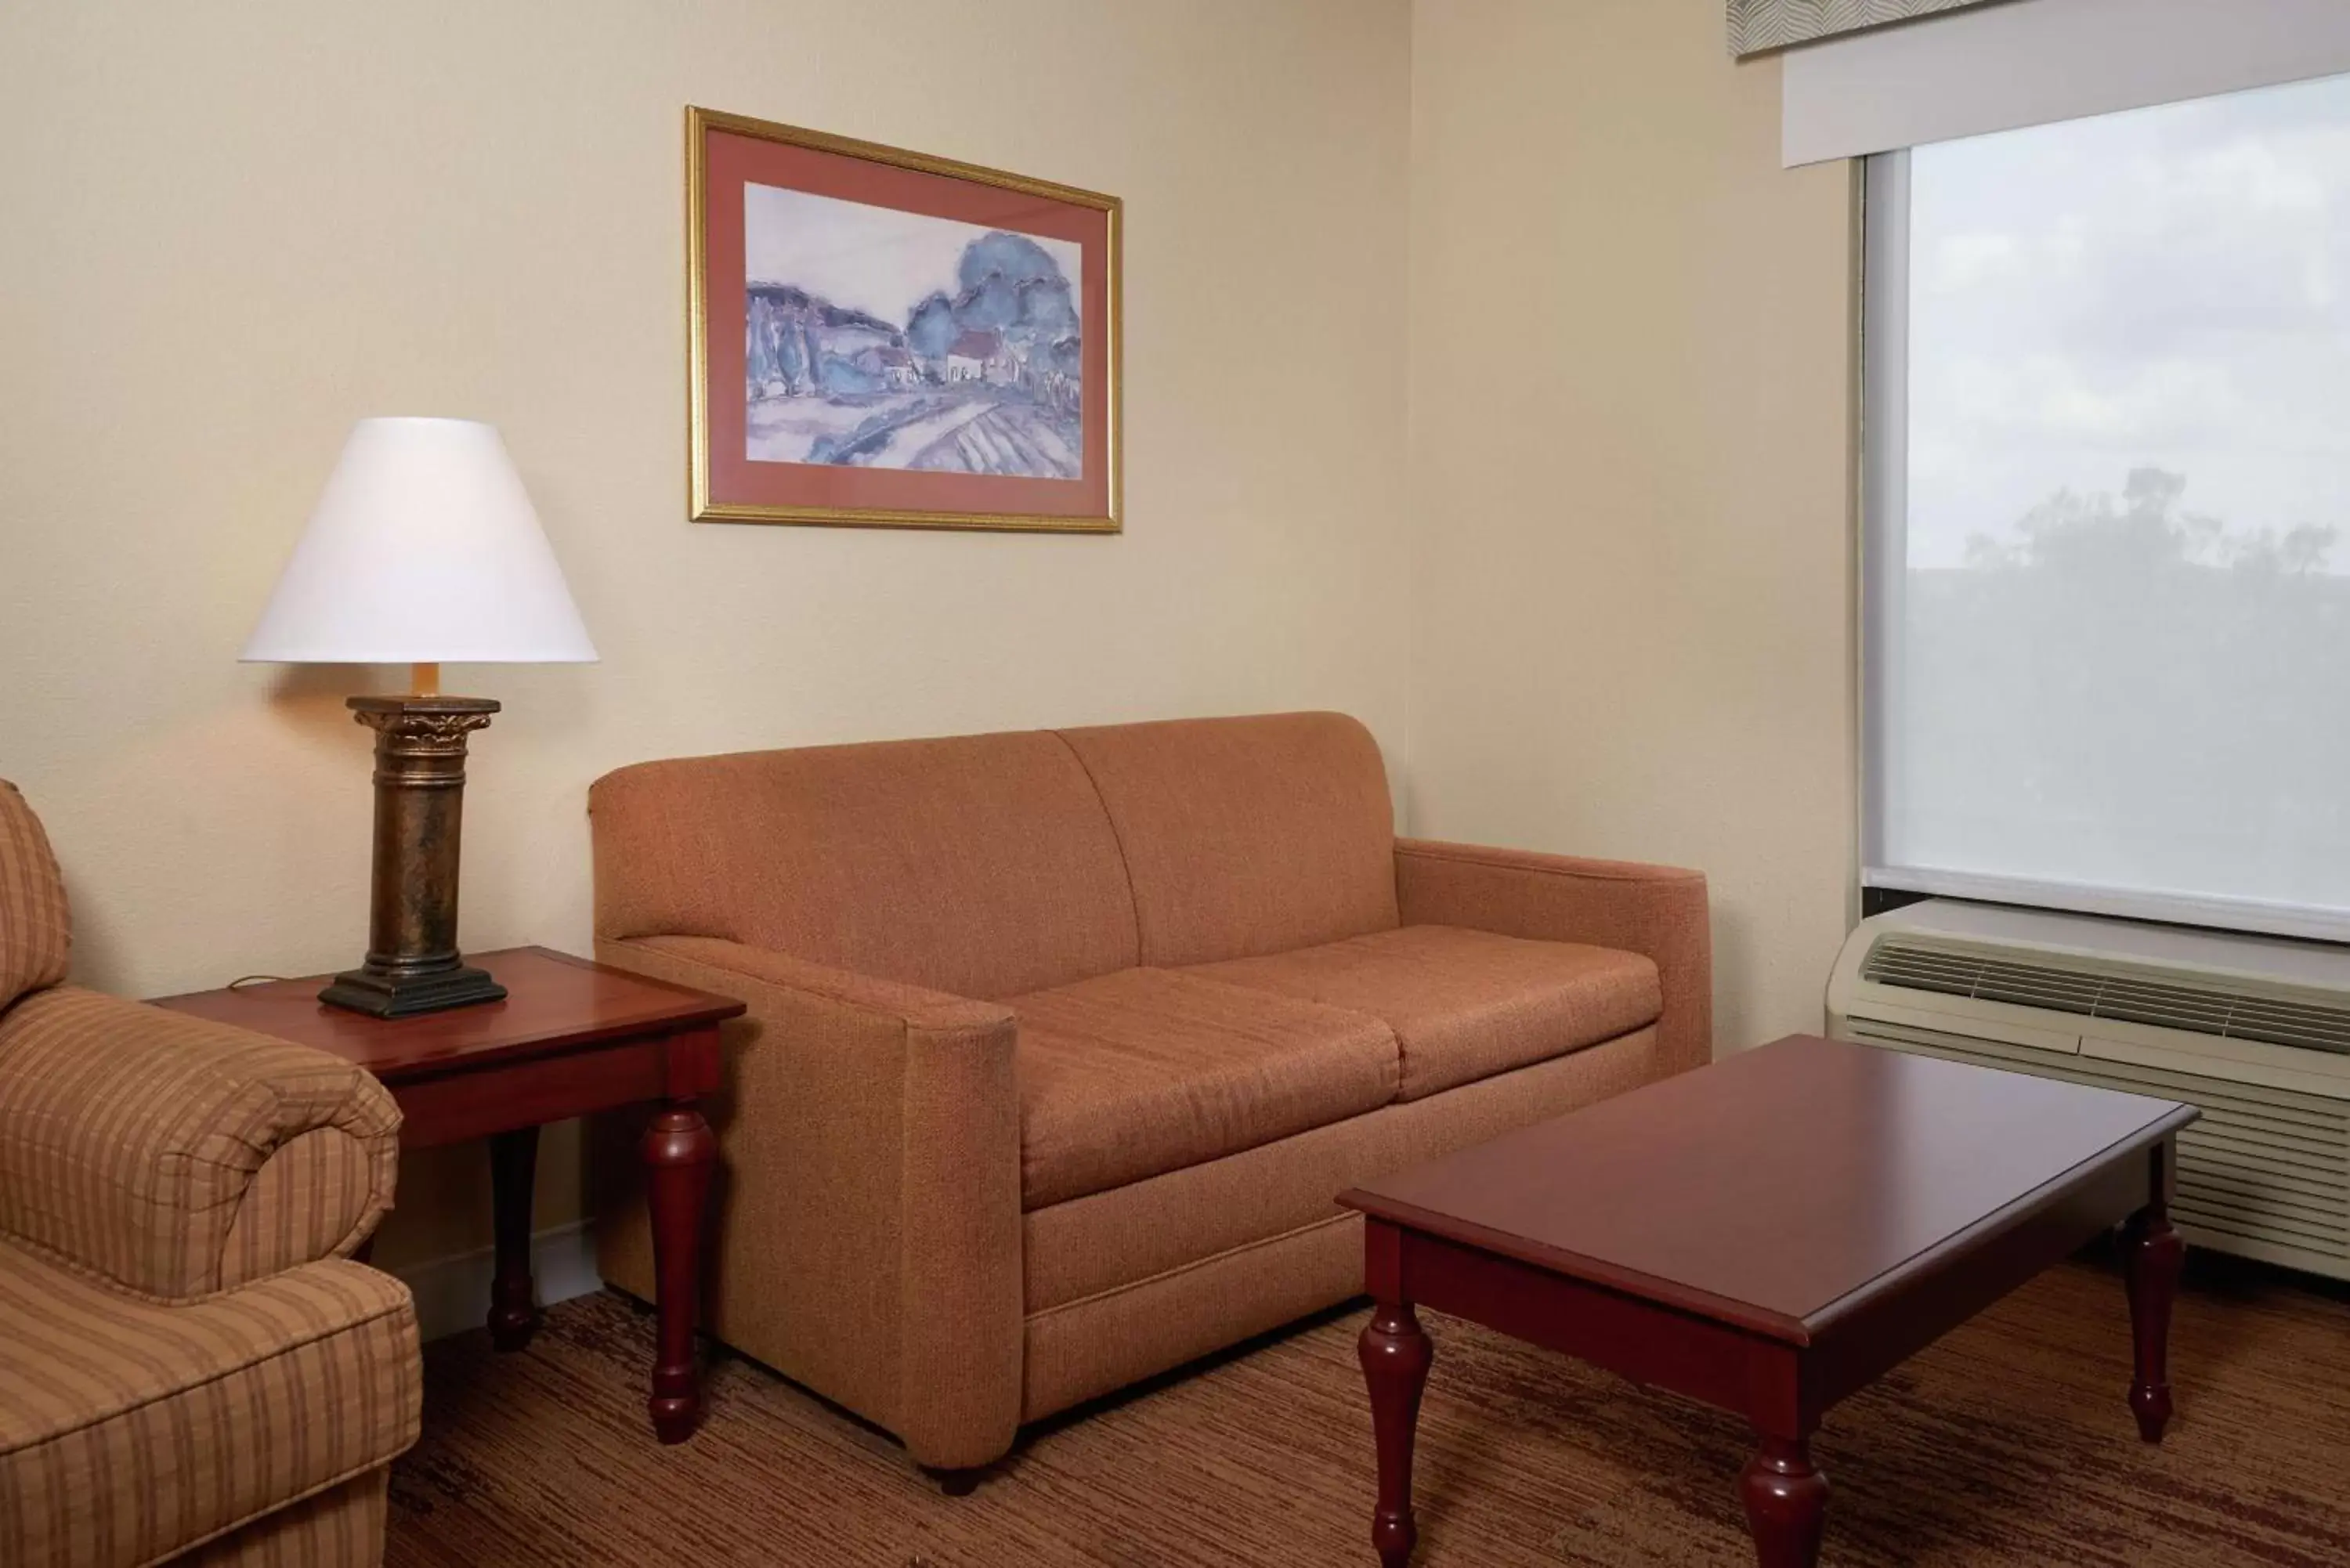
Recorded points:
(1396, 1354)
(514, 1167)
(2152, 1257)
(1786, 1500)
(677, 1153)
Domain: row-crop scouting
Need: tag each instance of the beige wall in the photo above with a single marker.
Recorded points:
(1612, 618)
(229, 231)
(1631, 370)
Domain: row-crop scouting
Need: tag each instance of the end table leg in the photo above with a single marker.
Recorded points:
(2152, 1256)
(678, 1151)
(1786, 1500)
(1396, 1354)
(514, 1167)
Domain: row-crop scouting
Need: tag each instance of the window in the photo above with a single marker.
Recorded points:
(2107, 578)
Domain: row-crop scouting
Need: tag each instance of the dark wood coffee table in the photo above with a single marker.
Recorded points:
(1767, 1235)
(570, 1039)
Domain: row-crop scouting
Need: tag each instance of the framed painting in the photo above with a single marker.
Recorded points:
(883, 338)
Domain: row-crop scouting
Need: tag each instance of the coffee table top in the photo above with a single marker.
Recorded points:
(1776, 1188)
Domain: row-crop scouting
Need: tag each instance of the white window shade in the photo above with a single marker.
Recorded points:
(1757, 26)
(2106, 633)
(2032, 62)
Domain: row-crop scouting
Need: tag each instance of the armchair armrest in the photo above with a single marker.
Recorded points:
(178, 1156)
(872, 1147)
(1658, 911)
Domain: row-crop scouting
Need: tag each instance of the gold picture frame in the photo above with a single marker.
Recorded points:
(830, 492)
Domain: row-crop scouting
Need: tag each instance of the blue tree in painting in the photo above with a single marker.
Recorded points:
(931, 329)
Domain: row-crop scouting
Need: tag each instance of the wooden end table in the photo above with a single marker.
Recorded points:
(1767, 1235)
(571, 1038)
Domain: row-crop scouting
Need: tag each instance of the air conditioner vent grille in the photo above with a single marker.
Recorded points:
(2264, 1167)
(2149, 996)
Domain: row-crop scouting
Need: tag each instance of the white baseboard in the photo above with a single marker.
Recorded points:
(452, 1294)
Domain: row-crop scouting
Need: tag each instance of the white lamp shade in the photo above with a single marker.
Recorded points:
(424, 549)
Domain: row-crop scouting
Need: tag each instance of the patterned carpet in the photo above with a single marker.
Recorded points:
(2007, 1443)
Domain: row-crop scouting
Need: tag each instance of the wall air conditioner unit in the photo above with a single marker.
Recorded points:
(2254, 1030)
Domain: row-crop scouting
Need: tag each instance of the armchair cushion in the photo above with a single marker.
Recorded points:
(1145, 1071)
(133, 1430)
(1466, 1005)
(134, 1142)
(35, 932)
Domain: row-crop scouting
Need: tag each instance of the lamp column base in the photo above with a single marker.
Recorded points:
(389, 994)
(413, 962)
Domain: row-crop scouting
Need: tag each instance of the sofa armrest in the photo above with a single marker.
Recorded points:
(1658, 911)
(178, 1157)
(872, 1145)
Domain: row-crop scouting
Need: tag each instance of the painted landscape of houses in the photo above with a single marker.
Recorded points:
(985, 376)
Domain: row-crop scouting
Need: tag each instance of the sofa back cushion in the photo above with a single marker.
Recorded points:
(1247, 836)
(982, 864)
(36, 935)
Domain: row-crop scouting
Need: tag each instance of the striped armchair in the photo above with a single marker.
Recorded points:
(191, 1368)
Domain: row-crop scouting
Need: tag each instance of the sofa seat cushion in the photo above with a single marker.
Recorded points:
(1464, 1005)
(131, 1428)
(1145, 1071)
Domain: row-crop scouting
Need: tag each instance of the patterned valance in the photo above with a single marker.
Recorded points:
(1758, 24)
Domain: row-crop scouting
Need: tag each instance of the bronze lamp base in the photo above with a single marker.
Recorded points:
(412, 963)
(387, 993)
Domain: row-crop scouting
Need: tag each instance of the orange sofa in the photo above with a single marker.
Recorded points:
(1060, 1044)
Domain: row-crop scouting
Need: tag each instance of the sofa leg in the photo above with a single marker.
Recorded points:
(955, 1482)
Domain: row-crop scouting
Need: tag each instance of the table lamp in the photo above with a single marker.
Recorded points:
(423, 550)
